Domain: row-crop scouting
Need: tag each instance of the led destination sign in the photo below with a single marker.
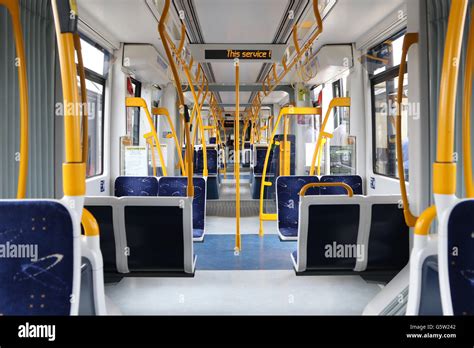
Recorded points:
(240, 54)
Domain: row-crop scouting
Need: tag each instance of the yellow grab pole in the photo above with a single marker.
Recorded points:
(408, 41)
(468, 79)
(182, 109)
(336, 102)
(149, 140)
(13, 8)
(299, 55)
(74, 169)
(284, 111)
(85, 115)
(165, 112)
(238, 241)
(141, 103)
(286, 148)
(444, 169)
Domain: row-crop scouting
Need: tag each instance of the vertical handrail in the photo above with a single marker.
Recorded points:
(183, 108)
(336, 102)
(409, 40)
(444, 169)
(85, 115)
(283, 111)
(141, 103)
(299, 55)
(74, 169)
(468, 80)
(149, 140)
(165, 112)
(13, 7)
(238, 242)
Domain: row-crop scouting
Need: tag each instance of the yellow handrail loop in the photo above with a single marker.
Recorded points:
(409, 40)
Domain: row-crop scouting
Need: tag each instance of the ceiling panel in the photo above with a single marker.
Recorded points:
(225, 72)
(243, 21)
(349, 20)
(229, 97)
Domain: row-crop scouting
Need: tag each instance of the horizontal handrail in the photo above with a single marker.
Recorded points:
(350, 191)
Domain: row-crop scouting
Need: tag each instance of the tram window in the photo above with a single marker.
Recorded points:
(95, 66)
(134, 89)
(384, 83)
(386, 55)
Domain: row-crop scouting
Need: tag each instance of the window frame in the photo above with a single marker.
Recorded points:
(96, 78)
(385, 76)
(102, 80)
(137, 94)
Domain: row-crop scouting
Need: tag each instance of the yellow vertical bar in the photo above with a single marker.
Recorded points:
(286, 148)
(444, 169)
(165, 112)
(149, 141)
(14, 9)
(336, 102)
(182, 108)
(74, 169)
(157, 141)
(410, 39)
(85, 115)
(238, 241)
(467, 113)
(264, 172)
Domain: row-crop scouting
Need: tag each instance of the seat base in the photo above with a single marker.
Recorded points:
(198, 235)
(287, 234)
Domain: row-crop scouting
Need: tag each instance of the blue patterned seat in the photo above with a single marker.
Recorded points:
(136, 186)
(211, 162)
(176, 187)
(354, 181)
(288, 189)
(38, 247)
(460, 265)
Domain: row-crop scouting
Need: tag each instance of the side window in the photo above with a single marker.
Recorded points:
(383, 72)
(134, 89)
(95, 66)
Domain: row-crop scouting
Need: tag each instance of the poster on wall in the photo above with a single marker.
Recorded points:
(136, 163)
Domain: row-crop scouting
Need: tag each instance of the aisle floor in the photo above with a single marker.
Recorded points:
(243, 293)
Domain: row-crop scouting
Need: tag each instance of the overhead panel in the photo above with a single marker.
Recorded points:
(244, 52)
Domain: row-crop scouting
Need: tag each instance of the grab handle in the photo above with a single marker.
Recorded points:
(350, 191)
(408, 41)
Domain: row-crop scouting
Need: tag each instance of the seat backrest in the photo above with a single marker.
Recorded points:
(389, 236)
(458, 259)
(40, 258)
(112, 239)
(260, 153)
(176, 187)
(136, 186)
(328, 231)
(371, 228)
(354, 181)
(288, 198)
(211, 161)
(276, 156)
(159, 233)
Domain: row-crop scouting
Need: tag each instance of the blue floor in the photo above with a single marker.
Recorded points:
(242, 176)
(267, 253)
